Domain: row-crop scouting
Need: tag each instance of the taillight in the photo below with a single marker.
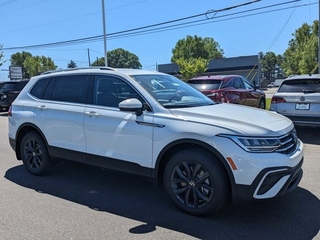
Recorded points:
(10, 111)
(277, 99)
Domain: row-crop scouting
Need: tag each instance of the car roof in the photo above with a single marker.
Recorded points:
(303, 76)
(215, 77)
(125, 71)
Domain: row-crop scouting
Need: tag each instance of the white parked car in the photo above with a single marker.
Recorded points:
(298, 98)
(153, 124)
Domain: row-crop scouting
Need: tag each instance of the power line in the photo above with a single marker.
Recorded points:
(64, 20)
(281, 30)
(7, 2)
(134, 31)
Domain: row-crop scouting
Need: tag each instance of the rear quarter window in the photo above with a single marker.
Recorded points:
(300, 85)
(39, 88)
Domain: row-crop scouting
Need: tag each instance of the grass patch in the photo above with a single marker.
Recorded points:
(268, 102)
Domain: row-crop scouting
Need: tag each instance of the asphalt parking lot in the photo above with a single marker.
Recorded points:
(76, 202)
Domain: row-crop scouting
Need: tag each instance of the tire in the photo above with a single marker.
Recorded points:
(35, 155)
(196, 182)
(262, 104)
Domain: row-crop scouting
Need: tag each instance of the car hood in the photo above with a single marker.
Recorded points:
(237, 119)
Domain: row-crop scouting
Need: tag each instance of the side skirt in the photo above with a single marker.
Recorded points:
(59, 154)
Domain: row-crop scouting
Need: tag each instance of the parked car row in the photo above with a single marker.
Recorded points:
(201, 152)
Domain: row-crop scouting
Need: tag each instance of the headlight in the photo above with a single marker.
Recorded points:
(4, 96)
(255, 144)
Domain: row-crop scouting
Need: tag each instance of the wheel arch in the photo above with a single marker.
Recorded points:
(182, 144)
(22, 131)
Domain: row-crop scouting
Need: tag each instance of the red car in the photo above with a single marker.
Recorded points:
(230, 89)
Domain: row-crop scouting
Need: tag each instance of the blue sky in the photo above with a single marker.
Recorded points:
(240, 31)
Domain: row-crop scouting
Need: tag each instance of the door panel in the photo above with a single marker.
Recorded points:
(112, 133)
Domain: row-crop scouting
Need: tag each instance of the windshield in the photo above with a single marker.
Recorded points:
(171, 92)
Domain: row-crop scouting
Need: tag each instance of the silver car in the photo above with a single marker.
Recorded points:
(298, 98)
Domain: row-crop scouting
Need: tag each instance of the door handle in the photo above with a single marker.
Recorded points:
(92, 113)
(42, 107)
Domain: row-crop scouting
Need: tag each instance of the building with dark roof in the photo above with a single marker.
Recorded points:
(246, 66)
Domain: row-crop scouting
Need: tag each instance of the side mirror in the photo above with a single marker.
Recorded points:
(131, 105)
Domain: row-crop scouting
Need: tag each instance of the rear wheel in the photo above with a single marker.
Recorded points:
(35, 155)
(196, 182)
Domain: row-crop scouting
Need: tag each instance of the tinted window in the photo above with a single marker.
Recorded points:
(300, 85)
(39, 88)
(69, 89)
(205, 84)
(14, 86)
(237, 83)
(110, 91)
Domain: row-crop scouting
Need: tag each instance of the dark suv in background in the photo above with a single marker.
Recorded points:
(230, 89)
(9, 91)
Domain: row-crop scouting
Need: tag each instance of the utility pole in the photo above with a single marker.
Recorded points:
(319, 39)
(89, 57)
(104, 35)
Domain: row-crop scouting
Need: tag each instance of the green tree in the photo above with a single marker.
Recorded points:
(301, 54)
(98, 62)
(190, 67)
(18, 59)
(72, 64)
(119, 58)
(196, 47)
(37, 64)
(271, 65)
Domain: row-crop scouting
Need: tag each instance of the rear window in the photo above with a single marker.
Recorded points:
(205, 84)
(301, 85)
(14, 86)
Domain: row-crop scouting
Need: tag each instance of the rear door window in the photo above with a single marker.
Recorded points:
(67, 89)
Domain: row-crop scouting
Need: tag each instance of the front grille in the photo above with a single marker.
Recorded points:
(289, 143)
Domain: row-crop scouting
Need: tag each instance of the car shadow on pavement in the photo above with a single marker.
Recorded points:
(3, 114)
(295, 215)
(310, 135)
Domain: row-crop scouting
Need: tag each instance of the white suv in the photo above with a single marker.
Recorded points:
(153, 124)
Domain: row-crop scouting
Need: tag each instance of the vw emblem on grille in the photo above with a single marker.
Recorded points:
(302, 99)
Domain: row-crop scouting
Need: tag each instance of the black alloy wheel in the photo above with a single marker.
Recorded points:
(35, 155)
(196, 182)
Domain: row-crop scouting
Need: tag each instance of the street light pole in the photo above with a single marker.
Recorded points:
(104, 35)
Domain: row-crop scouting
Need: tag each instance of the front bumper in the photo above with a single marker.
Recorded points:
(271, 183)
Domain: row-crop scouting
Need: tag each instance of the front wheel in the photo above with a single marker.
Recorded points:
(262, 104)
(35, 155)
(196, 182)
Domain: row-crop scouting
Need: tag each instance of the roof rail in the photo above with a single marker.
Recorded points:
(74, 69)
